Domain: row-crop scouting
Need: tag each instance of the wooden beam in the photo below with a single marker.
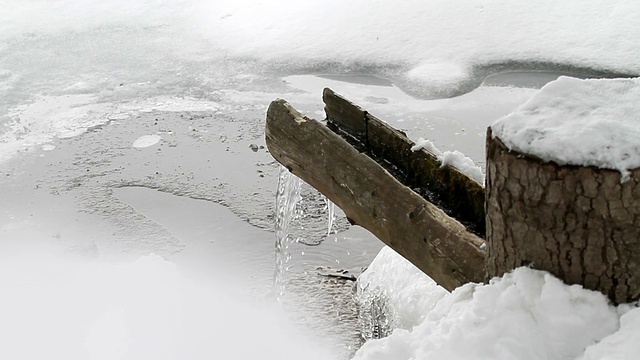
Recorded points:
(453, 191)
(371, 197)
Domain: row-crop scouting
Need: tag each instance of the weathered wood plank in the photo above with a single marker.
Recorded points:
(372, 198)
(347, 116)
(456, 193)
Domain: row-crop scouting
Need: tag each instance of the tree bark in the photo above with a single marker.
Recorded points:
(374, 199)
(579, 223)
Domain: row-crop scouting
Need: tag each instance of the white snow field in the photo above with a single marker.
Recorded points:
(71, 66)
(66, 308)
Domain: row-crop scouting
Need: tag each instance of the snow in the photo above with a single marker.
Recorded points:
(68, 66)
(118, 51)
(64, 307)
(452, 158)
(438, 41)
(525, 315)
(594, 122)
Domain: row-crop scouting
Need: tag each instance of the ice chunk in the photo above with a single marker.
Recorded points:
(146, 141)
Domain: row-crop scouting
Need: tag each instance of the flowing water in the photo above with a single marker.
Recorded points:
(287, 199)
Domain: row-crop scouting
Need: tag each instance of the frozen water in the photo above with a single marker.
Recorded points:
(146, 141)
(393, 294)
(48, 117)
(331, 214)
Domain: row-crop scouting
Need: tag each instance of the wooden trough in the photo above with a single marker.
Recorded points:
(367, 168)
(578, 222)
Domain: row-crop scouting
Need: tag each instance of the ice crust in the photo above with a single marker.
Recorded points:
(525, 315)
(594, 122)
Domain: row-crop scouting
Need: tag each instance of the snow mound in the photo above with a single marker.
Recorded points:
(570, 121)
(525, 315)
(452, 158)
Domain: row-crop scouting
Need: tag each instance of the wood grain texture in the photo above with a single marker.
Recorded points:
(453, 191)
(371, 197)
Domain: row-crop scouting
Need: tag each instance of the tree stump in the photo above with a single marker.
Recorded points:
(581, 223)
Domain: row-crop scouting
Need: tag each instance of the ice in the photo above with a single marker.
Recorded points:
(579, 122)
(394, 294)
(453, 158)
(48, 117)
(118, 51)
(525, 315)
(331, 214)
(146, 141)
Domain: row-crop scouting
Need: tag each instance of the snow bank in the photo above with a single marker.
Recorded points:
(579, 122)
(436, 42)
(439, 40)
(452, 158)
(525, 315)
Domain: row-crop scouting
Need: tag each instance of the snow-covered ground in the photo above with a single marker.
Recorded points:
(64, 307)
(97, 95)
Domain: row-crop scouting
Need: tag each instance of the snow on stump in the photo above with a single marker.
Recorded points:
(563, 186)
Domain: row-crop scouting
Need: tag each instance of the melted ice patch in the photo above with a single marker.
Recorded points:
(146, 141)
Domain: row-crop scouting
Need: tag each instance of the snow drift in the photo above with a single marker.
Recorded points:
(525, 315)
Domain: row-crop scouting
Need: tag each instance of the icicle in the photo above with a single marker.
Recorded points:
(287, 198)
(331, 214)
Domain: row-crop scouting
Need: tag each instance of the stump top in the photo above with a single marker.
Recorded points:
(592, 122)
